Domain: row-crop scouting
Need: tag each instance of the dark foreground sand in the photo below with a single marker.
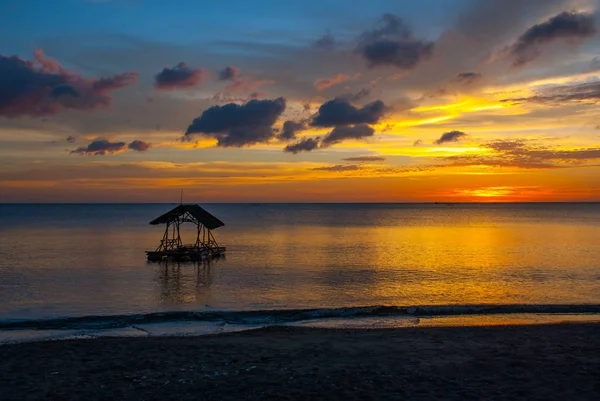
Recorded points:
(553, 362)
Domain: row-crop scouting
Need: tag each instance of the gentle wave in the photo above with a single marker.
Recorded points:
(284, 316)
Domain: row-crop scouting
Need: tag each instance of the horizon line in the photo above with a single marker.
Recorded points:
(302, 202)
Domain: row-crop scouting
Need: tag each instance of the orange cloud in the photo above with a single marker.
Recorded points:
(323, 83)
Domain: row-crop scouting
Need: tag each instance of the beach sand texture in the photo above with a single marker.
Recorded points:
(542, 362)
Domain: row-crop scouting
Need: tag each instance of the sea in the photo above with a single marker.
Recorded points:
(80, 270)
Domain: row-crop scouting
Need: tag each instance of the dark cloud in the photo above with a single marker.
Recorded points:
(64, 90)
(338, 168)
(44, 87)
(393, 44)
(326, 42)
(524, 154)
(566, 25)
(339, 112)
(364, 159)
(402, 54)
(452, 136)
(290, 128)
(491, 22)
(587, 92)
(139, 146)
(243, 136)
(24, 87)
(467, 77)
(236, 125)
(101, 147)
(178, 77)
(339, 134)
(70, 139)
(390, 25)
(305, 145)
(228, 73)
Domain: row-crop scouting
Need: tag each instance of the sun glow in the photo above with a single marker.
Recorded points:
(489, 192)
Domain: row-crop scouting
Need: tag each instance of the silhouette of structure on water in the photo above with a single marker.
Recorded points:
(172, 247)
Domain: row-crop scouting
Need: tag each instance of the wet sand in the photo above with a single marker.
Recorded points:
(544, 362)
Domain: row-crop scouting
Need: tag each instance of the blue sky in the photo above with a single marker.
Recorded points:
(203, 21)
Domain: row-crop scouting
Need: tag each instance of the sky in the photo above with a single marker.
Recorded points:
(299, 101)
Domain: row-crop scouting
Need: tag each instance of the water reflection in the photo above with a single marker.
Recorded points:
(89, 260)
(184, 282)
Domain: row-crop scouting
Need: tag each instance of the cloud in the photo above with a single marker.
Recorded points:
(326, 42)
(290, 128)
(390, 26)
(228, 73)
(492, 22)
(452, 136)
(521, 148)
(393, 44)
(178, 77)
(339, 112)
(222, 98)
(236, 125)
(43, 87)
(339, 134)
(305, 145)
(418, 142)
(467, 77)
(402, 54)
(589, 91)
(338, 168)
(524, 154)
(70, 139)
(64, 90)
(101, 147)
(566, 25)
(364, 159)
(139, 146)
(323, 83)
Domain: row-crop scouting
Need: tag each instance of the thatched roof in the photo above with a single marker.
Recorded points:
(206, 219)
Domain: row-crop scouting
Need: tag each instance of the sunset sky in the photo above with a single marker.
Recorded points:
(299, 101)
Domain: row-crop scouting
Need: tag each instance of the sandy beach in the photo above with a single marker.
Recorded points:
(544, 362)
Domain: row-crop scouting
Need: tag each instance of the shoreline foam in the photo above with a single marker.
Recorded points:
(364, 318)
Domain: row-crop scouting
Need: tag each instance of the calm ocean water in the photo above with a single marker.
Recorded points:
(81, 259)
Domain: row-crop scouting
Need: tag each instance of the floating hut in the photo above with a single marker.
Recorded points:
(172, 247)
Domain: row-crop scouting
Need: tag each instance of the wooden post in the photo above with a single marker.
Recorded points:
(197, 234)
(177, 223)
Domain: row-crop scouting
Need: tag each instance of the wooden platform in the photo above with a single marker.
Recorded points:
(191, 254)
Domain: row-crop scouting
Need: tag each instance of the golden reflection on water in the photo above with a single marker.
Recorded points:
(471, 263)
(308, 256)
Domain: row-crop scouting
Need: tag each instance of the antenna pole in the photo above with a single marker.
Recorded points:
(181, 198)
